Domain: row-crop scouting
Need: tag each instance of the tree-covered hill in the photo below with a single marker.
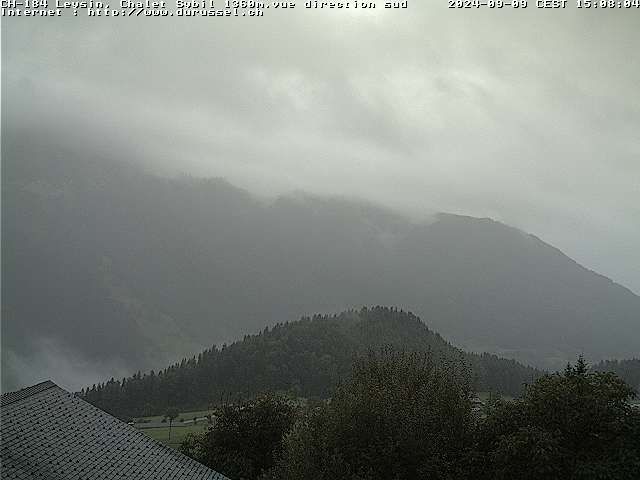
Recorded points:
(306, 358)
(628, 370)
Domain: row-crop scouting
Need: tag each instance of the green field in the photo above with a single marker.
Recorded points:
(183, 415)
(177, 434)
(178, 431)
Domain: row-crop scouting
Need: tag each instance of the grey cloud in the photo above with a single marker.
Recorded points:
(530, 117)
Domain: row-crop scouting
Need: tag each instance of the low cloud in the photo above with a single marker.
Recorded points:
(51, 360)
(529, 117)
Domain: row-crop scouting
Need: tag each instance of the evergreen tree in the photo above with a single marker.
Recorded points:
(575, 425)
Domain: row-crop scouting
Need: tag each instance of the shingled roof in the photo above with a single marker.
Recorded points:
(49, 433)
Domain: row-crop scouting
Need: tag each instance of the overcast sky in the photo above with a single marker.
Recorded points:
(530, 117)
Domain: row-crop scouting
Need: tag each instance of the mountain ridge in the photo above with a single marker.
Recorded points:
(96, 248)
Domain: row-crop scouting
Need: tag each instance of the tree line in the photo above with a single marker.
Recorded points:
(306, 358)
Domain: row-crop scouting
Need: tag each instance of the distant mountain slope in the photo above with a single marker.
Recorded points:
(110, 264)
(308, 358)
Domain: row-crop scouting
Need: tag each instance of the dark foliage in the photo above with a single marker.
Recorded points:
(627, 370)
(306, 358)
(401, 416)
(576, 425)
(245, 439)
(405, 416)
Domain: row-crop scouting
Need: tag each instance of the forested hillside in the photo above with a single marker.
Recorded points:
(108, 269)
(305, 358)
(628, 370)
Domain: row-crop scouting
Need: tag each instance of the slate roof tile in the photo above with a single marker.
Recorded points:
(49, 433)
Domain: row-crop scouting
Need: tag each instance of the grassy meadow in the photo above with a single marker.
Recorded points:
(178, 430)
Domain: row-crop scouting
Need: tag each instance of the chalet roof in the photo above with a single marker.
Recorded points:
(49, 433)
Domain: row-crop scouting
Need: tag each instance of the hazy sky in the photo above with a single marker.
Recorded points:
(530, 117)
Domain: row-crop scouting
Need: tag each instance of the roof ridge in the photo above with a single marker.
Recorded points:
(11, 397)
